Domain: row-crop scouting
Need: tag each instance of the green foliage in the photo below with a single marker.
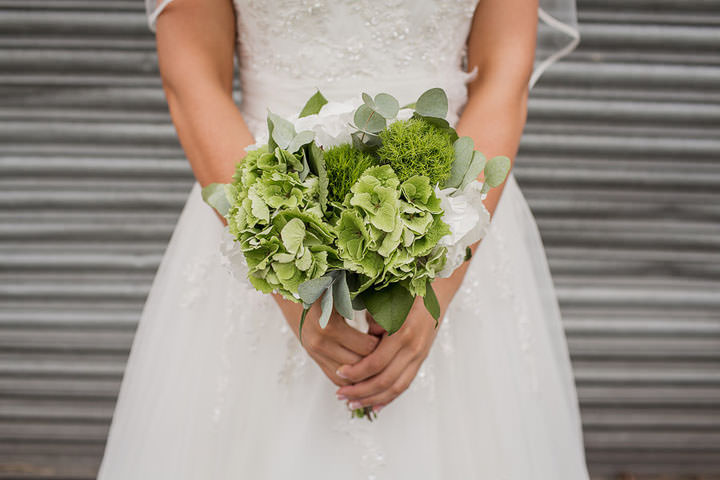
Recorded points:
(415, 147)
(344, 165)
(313, 105)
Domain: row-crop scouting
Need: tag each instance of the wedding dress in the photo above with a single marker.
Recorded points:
(217, 386)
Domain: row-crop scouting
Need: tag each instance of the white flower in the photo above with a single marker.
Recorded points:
(468, 220)
(331, 125)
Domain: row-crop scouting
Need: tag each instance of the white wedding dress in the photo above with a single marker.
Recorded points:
(217, 386)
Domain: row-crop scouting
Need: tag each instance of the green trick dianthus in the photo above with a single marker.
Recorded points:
(415, 147)
(344, 166)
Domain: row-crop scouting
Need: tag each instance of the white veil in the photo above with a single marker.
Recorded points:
(558, 32)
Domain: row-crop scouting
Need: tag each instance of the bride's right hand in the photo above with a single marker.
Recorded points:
(330, 347)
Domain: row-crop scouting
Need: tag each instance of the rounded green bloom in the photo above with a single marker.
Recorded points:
(415, 147)
(344, 165)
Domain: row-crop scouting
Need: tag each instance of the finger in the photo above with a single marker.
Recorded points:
(354, 340)
(329, 368)
(375, 328)
(374, 363)
(335, 352)
(383, 398)
(380, 382)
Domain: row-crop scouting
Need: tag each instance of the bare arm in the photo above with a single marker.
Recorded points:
(196, 44)
(501, 44)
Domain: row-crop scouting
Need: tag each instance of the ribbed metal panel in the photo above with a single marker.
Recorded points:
(620, 162)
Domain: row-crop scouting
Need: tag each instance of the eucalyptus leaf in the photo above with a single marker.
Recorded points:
(311, 290)
(282, 131)
(368, 120)
(368, 100)
(316, 163)
(433, 103)
(496, 171)
(463, 157)
(326, 304)
(272, 145)
(341, 296)
(215, 196)
(431, 302)
(365, 142)
(313, 105)
(302, 174)
(302, 322)
(302, 138)
(477, 164)
(389, 306)
(386, 105)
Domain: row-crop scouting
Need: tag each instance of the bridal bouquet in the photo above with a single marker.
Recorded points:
(360, 205)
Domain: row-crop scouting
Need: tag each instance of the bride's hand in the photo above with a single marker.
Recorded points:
(336, 344)
(388, 371)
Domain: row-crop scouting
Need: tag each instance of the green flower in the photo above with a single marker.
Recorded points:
(353, 240)
(415, 219)
(376, 194)
(418, 192)
(427, 268)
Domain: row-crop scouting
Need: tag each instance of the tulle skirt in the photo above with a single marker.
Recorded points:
(217, 386)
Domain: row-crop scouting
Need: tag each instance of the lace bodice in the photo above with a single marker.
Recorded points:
(343, 47)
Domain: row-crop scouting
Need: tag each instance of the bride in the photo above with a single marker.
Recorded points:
(217, 385)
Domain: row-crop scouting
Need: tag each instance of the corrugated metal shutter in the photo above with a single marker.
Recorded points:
(620, 163)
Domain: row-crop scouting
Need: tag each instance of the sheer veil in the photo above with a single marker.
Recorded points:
(558, 33)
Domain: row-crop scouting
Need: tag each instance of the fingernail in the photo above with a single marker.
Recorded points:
(355, 405)
(377, 408)
(340, 374)
(341, 397)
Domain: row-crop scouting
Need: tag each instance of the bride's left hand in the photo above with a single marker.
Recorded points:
(387, 372)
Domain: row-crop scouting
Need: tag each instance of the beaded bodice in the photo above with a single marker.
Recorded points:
(287, 49)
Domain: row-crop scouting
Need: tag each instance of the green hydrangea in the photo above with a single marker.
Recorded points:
(388, 230)
(276, 217)
(416, 147)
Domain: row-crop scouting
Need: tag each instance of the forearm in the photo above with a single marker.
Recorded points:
(494, 118)
(211, 130)
(196, 44)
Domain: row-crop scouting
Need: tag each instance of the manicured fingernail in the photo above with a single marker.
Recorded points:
(340, 374)
(341, 397)
(355, 405)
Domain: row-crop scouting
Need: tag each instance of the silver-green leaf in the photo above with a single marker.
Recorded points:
(432, 103)
(282, 131)
(341, 294)
(477, 164)
(313, 105)
(326, 304)
(386, 105)
(463, 157)
(311, 290)
(216, 196)
(368, 120)
(496, 171)
(302, 138)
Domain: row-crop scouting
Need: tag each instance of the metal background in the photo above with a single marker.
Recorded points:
(620, 163)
